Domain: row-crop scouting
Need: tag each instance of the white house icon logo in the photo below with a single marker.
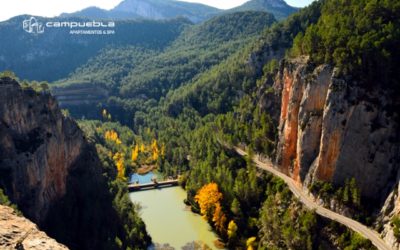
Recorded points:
(32, 25)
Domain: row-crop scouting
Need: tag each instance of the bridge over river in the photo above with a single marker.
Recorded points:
(152, 185)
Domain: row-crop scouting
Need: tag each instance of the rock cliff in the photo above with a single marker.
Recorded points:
(50, 171)
(16, 230)
(390, 209)
(38, 148)
(332, 129)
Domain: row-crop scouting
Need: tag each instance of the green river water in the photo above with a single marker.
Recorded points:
(168, 220)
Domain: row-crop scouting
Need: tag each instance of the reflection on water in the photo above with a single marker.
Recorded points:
(169, 221)
(142, 179)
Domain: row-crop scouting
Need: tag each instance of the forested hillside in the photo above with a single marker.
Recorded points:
(139, 86)
(35, 56)
(358, 37)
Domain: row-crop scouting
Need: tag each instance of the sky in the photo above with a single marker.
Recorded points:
(51, 8)
(227, 4)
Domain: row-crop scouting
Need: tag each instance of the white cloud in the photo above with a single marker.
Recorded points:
(227, 4)
(49, 8)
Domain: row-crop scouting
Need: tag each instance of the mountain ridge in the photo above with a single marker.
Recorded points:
(150, 9)
(165, 9)
(279, 8)
(34, 56)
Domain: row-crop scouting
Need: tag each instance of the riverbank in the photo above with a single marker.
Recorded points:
(145, 169)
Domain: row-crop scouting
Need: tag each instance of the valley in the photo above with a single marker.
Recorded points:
(259, 127)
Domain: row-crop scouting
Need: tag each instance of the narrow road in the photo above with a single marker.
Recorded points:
(368, 233)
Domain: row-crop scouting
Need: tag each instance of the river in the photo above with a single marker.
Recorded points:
(168, 220)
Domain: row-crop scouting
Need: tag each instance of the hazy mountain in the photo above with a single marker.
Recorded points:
(279, 8)
(166, 9)
(98, 13)
(151, 9)
(55, 53)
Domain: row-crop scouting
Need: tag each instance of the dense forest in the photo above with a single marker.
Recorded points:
(359, 37)
(147, 76)
(245, 206)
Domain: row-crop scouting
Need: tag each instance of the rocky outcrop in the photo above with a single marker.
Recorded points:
(50, 171)
(332, 129)
(80, 94)
(18, 231)
(390, 209)
(80, 99)
(38, 148)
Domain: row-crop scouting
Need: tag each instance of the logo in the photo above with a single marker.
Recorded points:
(32, 25)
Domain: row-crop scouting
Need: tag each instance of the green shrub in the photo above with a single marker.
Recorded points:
(396, 226)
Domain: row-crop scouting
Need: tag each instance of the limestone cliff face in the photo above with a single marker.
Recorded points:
(390, 209)
(331, 129)
(51, 172)
(38, 148)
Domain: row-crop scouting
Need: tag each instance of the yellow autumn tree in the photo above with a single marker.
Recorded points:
(119, 163)
(219, 218)
(135, 152)
(154, 150)
(232, 229)
(142, 148)
(111, 135)
(250, 243)
(163, 151)
(207, 197)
